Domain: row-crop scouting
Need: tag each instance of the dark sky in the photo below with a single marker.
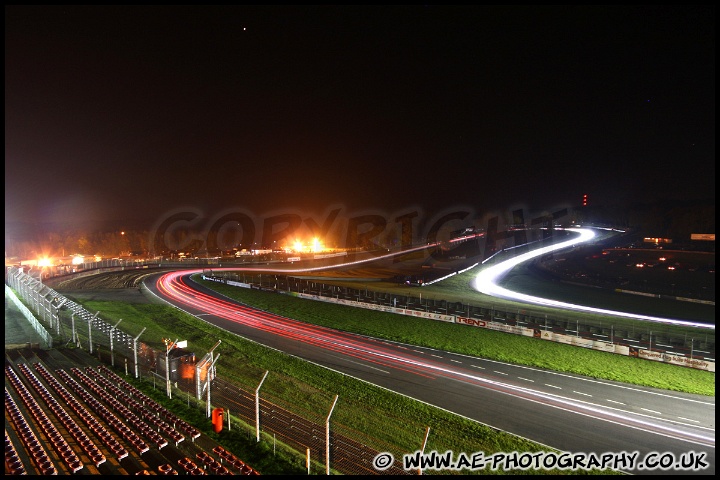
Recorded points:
(122, 113)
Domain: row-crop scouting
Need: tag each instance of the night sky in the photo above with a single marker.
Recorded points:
(127, 113)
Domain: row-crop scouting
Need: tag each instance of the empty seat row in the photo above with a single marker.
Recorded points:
(57, 440)
(167, 469)
(85, 415)
(212, 465)
(37, 452)
(12, 459)
(190, 467)
(129, 416)
(81, 438)
(103, 412)
(234, 462)
(169, 417)
(149, 415)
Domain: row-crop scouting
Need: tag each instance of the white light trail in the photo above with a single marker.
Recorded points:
(486, 282)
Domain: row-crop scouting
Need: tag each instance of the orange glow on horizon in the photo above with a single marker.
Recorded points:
(44, 262)
(315, 246)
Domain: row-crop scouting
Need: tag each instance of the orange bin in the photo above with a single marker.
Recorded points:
(217, 419)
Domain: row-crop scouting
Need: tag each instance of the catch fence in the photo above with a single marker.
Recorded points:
(325, 445)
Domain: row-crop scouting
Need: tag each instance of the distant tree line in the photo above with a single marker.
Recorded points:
(662, 219)
(107, 244)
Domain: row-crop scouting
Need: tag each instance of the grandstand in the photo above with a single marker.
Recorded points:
(66, 413)
(178, 372)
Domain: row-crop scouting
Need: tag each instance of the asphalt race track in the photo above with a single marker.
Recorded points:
(566, 412)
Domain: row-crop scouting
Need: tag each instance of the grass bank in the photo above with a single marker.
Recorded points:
(477, 342)
(381, 417)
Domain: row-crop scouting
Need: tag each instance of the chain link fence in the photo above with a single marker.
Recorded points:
(327, 446)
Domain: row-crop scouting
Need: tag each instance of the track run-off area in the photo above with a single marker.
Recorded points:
(568, 412)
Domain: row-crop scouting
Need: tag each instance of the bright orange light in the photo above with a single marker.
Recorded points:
(315, 246)
(77, 260)
(44, 262)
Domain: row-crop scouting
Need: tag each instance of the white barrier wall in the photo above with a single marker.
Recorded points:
(381, 308)
(528, 332)
(593, 344)
(674, 359)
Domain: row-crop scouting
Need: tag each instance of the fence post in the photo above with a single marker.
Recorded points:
(257, 407)
(209, 384)
(692, 341)
(90, 330)
(112, 350)
(208, 378)
(422, 449)
(327, 438)
(72, 324)
(168, 388)
(135, 352)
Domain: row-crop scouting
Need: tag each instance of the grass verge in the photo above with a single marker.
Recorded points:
(369, 413)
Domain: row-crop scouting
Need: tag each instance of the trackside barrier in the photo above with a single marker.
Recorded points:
(574, 340)
(593, 344)
(341, 448)
(36, 325)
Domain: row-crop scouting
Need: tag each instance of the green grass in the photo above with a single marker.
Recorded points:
(366, 411)
(478, 342)
(258, 455)
(379, 416)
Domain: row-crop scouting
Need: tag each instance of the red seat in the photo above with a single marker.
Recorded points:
(202, 456)
(15, 465)
(98, 459)
(76, 466)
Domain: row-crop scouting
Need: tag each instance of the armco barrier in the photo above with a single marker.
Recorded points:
(610, 347)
